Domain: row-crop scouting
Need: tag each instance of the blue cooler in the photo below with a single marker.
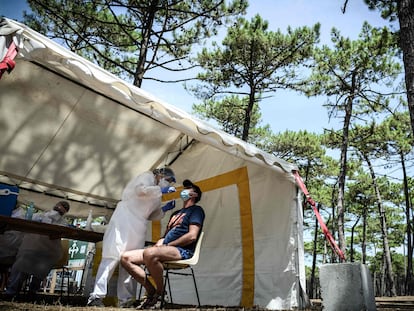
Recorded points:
(8, 199)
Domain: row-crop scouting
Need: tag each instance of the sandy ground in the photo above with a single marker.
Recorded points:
(49, 303)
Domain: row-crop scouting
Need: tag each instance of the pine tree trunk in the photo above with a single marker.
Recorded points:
(406, 19)
(147, 25)
(352, 239)
(384, 231)
(364, 235)
(409, 271)
(342, 174)
(383, 275)
(315, 244)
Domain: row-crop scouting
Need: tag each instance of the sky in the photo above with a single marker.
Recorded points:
(285, 110)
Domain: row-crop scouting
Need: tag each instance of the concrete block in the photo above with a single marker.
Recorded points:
(346, 287)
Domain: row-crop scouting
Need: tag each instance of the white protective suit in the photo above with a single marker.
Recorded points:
(38, 253)
(127, 228)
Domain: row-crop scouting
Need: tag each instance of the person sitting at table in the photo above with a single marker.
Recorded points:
(37, 253)
(10, 242)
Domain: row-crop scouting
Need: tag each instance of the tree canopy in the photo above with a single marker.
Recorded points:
(132, 38)
(253, 61)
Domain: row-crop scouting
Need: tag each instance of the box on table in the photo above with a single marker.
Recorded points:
(8, 198)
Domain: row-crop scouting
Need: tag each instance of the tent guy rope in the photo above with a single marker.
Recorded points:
(8, 63)
(324, 228)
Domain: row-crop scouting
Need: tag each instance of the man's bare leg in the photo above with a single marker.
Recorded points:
(132, 261)
(153, 258)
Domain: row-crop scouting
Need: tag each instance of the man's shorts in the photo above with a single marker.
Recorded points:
(185, 253)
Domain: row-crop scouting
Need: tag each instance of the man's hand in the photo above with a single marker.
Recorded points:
(168, 206)
(160, 242)
(168, 189)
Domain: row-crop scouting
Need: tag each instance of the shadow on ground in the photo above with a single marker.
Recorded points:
(78, 303)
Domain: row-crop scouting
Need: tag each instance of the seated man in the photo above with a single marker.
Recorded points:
(37, 253)
(179, 242)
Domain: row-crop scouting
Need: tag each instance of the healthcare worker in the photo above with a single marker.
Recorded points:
(37, 253)
(10, 241)
(127, 229)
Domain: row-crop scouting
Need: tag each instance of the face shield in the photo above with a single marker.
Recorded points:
(163, 183)
(167, 176)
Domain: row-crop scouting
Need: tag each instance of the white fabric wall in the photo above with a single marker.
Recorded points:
(274, 209)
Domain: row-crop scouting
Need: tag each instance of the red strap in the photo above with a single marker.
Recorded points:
(325, 229)
(8, 63)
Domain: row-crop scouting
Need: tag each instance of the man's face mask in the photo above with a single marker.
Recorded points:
(185, 195)
(59, 209)
(53, 214)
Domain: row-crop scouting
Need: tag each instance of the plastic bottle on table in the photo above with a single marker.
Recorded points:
(89, 221)
(30, 211)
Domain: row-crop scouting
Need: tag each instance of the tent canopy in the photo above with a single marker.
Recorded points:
(72, 130)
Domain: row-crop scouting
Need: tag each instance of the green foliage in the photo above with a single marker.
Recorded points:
(308, 272)
(398, 263)
(130, 37)
(295, 146)
(397, 129)
(228, 113)
(306, 150)
(401, 10)
(255, 57)
(356, 70)
(388, 8)
(252, 62)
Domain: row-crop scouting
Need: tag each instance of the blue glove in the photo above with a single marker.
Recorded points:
(168, 206)
(168, 189)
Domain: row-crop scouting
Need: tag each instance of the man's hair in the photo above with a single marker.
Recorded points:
(188, 184)
(64, 204)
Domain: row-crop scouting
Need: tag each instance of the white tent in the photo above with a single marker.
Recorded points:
(70, 129)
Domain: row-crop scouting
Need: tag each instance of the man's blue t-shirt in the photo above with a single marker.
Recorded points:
(180, 221)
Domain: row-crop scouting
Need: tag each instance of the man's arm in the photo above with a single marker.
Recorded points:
(188, 238)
